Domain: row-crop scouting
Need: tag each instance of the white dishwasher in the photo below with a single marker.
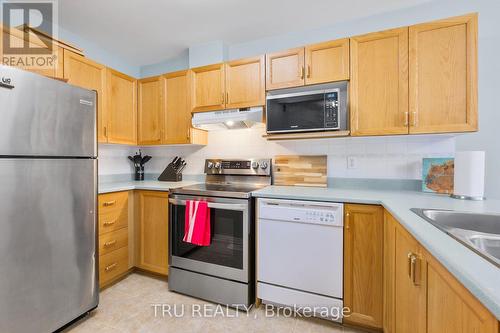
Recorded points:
(300, 254)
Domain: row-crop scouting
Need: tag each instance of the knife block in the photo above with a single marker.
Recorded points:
(170, 175)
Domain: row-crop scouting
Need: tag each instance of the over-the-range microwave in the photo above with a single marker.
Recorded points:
(309, 108)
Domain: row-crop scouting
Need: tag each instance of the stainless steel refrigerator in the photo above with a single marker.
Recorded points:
(48, 182)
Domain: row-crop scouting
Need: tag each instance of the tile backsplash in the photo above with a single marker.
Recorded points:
(395, 157)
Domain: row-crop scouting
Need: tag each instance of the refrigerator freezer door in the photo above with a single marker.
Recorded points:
(48, 259)
(45, 117)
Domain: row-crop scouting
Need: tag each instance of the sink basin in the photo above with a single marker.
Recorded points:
(479, 232)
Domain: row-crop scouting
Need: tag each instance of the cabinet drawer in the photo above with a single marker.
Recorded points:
(111, 202)
(113, 221)
(113, 240)
(112, 265)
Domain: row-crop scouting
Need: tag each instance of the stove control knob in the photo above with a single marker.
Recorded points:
(263, 165)
(217, 165)
(255, 165)
(210, 165)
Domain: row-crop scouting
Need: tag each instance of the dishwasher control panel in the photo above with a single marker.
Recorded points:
(314, 212)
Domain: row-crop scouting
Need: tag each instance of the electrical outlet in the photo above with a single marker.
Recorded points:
(352, 162)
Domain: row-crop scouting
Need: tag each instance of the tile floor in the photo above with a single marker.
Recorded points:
(128, 306)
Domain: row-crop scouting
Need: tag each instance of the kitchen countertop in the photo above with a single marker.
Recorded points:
(153, 185)
(478, 275)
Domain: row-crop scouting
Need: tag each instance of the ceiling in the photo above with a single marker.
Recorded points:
(150, 31)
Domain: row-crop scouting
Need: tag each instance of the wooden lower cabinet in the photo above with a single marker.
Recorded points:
(113, 247)
(112, 266)
(450, 307)
(152, 231)
(421, 295)
(409, 279)
(363, 264)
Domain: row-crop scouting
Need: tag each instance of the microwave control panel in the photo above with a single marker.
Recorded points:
(332, 110)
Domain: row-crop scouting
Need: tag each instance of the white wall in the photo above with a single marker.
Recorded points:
(377, 157)
(113, 159)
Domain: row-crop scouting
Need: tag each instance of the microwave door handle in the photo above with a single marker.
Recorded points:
(213, 205)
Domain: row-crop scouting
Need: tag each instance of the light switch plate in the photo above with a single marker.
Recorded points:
(352, 162)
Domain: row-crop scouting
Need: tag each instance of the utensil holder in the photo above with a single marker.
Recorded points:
(139, 172)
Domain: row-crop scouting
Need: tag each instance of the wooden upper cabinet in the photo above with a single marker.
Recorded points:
(122, 107)
(443, 75)
(409, 284)
(208, 91)
(178, 111)
(363, 264)
(150, 110)
(379, 83)
(245, 83)
(85, 73)
(327, 62)
(152, 231)
(285, 69)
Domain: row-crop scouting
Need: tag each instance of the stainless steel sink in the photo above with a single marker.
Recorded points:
(479, 232)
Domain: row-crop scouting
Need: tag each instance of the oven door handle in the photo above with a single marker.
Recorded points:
(213, 205)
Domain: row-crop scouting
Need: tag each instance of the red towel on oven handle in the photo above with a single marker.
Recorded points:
(197, 223)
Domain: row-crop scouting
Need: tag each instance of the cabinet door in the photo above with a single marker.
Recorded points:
(451, 308)
(363, 265)
(443, 76)
(87, 74)
(153, 231)
(150, 110)
(327, 62)
(122, 107)
(285, 69)
(245, 83)
(410, 288)
(178, 111)
(379, 83)
(208, 88)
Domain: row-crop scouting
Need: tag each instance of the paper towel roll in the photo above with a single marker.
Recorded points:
(469, 174)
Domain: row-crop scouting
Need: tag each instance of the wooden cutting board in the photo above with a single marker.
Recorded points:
(300, 170)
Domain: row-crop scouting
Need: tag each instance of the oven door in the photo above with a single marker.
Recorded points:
(296, 112)
(227, 256)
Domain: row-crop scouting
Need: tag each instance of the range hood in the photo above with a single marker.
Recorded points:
(228, 119)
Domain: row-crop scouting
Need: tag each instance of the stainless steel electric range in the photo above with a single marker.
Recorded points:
(222, 272)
